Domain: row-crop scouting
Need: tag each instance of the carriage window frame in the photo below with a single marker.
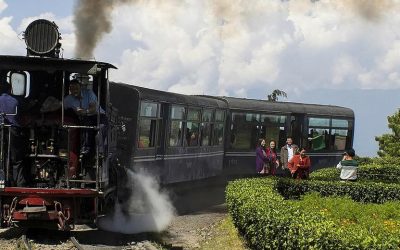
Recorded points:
(154, 118)
(206, 127)
(330, 141)
(177, 115)
(193, 117)
(277, 121)
(217, 126)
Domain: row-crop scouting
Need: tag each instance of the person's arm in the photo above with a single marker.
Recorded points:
(290, 165)
(92, 109)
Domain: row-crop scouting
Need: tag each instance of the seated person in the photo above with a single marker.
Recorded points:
(348, 166)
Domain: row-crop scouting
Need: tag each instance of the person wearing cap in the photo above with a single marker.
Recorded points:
(348, 166)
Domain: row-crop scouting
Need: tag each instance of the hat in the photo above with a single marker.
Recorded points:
(350, 152)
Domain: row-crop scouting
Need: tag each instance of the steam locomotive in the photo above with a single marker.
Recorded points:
(48, 179)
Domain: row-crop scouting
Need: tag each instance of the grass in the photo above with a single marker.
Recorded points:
(224, 236)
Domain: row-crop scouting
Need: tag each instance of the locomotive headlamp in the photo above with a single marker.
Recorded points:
(42, 38)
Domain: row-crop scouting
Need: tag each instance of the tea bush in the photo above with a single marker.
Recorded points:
(268, 219)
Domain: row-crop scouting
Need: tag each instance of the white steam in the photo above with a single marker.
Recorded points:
(148, 209)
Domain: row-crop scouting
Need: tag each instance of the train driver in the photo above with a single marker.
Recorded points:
(84, 103)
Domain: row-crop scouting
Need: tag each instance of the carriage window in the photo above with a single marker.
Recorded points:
(318, 122)
(340, 123)
(273, 128)
(218, 136)
(318, 133)
(148, 109)
(219, 116)
(193, 115)
(244, 131)
(192, 134)
(339, 137)
(147, 133)
(205, 129)
(207, 115)
(177, 112)
(175, 135)
(148, 124)
(340, 134)
(192, 127)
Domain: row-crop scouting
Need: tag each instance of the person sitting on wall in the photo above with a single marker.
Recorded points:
(348, 166)
(299, 165)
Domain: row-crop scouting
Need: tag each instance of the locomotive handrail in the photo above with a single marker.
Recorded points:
(78, 126)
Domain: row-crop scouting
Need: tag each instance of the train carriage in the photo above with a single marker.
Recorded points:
(173, 137)
(325, 130)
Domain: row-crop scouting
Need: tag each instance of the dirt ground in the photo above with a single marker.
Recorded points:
(185, 232)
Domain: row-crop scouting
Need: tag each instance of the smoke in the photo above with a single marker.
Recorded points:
(92, 21)
(92, 18)
(147, 209)
(371, 10)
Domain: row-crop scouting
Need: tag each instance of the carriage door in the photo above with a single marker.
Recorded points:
(296, 129)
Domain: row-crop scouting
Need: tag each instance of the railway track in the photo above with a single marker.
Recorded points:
(28, 246)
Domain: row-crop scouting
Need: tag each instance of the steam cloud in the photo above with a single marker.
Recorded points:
(147, 210)
(92, 18)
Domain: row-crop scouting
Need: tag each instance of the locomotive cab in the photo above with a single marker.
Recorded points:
(53, 157)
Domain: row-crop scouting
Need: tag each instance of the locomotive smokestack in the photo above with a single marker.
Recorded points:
(92, 20)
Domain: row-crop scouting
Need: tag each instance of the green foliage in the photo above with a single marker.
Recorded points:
(269, 220)
(379, 170)
(389, 143)
(273, 97)
(363, 160)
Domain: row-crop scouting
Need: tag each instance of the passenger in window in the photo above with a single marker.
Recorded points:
(287, 152)
(300, 165)
(261, 157)
(193, 139)
(348, 166)
(273, 162)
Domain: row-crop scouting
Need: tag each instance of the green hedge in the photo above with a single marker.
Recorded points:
(383, 172)
(358, 191)
(267, 220)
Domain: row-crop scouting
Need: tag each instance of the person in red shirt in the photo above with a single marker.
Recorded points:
(300, 165)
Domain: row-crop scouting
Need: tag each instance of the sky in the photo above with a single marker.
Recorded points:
(339, 52)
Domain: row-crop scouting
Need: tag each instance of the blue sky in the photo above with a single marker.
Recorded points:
(316, 51)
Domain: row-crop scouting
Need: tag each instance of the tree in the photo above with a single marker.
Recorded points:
(389, 144)
(273, 97)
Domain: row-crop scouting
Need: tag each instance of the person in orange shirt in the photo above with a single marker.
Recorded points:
(300, 165)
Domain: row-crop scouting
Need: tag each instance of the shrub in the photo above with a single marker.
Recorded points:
(268, 220)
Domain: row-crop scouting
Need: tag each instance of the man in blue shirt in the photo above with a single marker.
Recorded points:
(8, 105)
(84, 103)
(81, 101)
(9, 123)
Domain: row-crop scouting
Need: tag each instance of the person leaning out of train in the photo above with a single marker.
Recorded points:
(287, 152)
(300, 165)
(348, 166)
(273, 162)
(261, 157)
